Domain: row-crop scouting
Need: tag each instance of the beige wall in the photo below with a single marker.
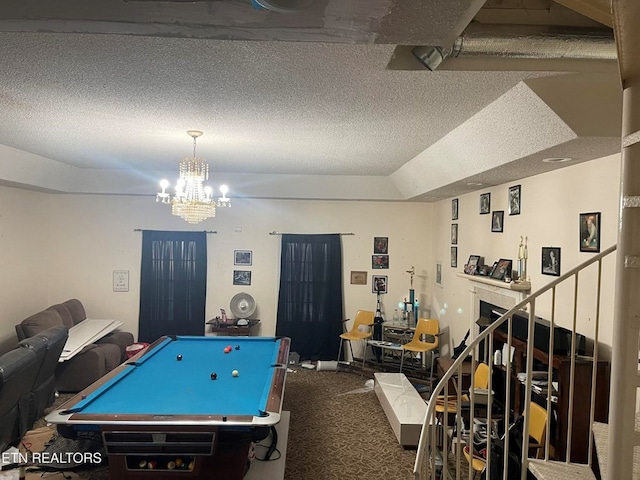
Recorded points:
(551, 204)
(56, 247)
(65, 246)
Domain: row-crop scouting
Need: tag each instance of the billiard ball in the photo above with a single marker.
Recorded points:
(142, 464)
(214, 375)
(171, 465)
(178, 462)
(179, 357)
(192, 464)
(234, 373)
(227, 349)
(152, 464)
(237, 347)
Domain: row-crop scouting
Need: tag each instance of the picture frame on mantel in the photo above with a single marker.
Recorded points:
(502, 271)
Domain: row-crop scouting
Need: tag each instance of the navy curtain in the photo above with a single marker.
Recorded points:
(173, 284)
(310, 306)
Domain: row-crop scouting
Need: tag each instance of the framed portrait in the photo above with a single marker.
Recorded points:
(497, 221)
(485, 203)
(439, 273)
(241, 277)
(454, 209)
(379, 261)
(454, 257)
(471, 268)
(379, 284)
(242, 257)
(358, 277)
(590, 232)
(381, 245)
(514, 200)
(551, 261)
(454, 233)
(502, 269)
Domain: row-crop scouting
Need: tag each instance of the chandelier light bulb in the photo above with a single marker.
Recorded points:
(164, 184)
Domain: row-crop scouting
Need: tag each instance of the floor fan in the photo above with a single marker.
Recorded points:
(242, 307)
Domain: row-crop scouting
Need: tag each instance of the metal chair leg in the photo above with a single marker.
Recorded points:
(339, 353)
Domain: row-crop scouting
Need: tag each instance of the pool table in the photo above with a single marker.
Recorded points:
(180, 401)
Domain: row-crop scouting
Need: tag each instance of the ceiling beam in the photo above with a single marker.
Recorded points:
(598, 10)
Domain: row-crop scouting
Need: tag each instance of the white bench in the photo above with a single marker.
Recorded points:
(402, 404)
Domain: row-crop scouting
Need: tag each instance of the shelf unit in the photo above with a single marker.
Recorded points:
(582, 392)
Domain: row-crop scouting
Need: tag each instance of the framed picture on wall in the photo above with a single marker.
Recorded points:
(242, 257)
(551, 261)
(241, 277)
(379, 284)
(454, 257)
(439, 273)
(454, 233)
(485, 203)
(358, 277)
(514, 200)
(454, 209)
(379, 261)
(497, 221)
(381, 245)
(590, 232)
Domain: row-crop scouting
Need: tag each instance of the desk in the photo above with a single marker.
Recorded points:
(155, 407)
(394, 347)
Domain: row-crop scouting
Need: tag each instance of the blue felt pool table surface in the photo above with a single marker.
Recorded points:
(155, 383)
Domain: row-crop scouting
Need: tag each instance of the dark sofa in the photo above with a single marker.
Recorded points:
(93, 362)
(27, 383)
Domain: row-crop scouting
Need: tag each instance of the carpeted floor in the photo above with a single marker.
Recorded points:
(333, 433)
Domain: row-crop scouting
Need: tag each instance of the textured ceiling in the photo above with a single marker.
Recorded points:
(98, 100)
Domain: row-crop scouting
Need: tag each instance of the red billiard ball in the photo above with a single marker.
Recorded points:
(152, 464)
(227, 349)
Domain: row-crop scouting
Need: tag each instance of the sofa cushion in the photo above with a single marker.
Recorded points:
(76, 309)
(40, 322)
(64, 313)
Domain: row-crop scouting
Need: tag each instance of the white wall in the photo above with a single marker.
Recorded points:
(550, 208)
(68, 246)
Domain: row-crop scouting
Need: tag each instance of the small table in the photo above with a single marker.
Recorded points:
(155, 407)
(396, 347)
(232, 329)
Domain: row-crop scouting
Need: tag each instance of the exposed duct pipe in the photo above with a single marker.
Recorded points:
(523, 42)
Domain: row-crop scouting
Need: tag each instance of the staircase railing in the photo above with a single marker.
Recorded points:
(435, 459)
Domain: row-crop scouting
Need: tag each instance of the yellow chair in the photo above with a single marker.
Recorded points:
(537, 428)
(425, 339)
(362, 329)
(537, 435)
(480, 381)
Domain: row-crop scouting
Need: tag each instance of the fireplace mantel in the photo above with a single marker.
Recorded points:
(516, 287)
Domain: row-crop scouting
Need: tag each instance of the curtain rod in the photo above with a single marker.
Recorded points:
(287, 233)
(205, 231)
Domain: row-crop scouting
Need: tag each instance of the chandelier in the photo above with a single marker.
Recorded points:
(193, 200)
